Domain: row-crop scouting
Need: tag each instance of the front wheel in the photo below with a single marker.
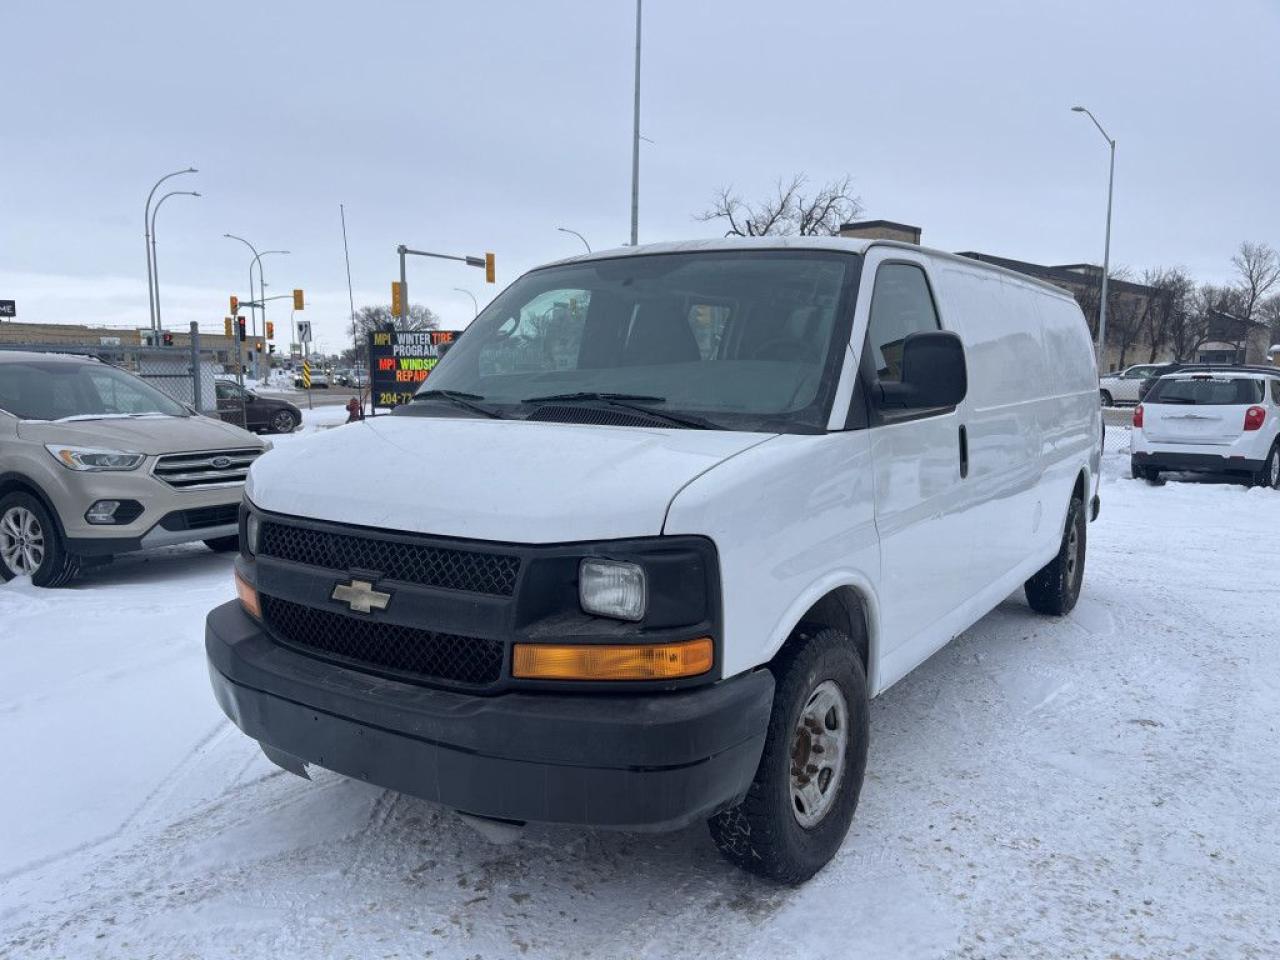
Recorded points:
(799, 807)
(31, 545)
(1055, 587)
(283, 421)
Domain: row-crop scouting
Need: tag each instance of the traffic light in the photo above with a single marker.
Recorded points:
(397, 298)
(258, 346)
(489, 272)
(228, 328)
(271, 330)
(240, 324)
(167, 338)
(235, 304)
(297, 300)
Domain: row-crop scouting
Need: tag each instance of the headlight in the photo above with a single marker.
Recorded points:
(91, 458)
(609, 588)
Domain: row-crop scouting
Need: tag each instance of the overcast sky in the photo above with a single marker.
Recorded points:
(462, 128)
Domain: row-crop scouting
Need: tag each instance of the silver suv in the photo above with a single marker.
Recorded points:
(95, 461)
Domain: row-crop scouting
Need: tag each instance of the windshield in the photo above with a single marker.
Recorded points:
(737, 340)
(55, 390)
(1207, 391)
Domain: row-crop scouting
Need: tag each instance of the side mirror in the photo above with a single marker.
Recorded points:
(934, 373)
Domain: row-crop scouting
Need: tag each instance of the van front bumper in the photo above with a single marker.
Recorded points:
(654, 761)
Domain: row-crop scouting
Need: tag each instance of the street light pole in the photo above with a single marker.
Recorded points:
(474, 302)
(635, 143)
(257, 259)
(1106, 251)
(155, 264)
(146, 229)
(580, 237)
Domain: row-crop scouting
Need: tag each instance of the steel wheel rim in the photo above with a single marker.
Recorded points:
(22, 544)
(819, 745)
(284, 421)
(1073, 551)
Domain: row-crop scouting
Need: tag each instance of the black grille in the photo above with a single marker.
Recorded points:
(596, 417)
(197, 518)
(374, 643)
(466, 570)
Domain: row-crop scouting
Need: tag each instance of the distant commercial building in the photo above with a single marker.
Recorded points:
(119, 346)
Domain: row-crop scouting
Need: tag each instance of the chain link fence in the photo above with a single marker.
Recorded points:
(1118, 422)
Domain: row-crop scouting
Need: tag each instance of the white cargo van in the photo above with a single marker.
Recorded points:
(656, 529)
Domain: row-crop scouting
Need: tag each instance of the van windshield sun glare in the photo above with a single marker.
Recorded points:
(747, 341)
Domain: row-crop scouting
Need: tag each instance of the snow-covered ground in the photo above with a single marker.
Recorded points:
(1104, 785)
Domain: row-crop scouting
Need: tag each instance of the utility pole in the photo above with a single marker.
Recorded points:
(404, 287)
(635, 143)
(351, 300)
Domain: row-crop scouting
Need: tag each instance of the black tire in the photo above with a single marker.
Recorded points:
(763, 834)
(1106, 398)
(56, 567)
(1055, 587)
(283, 421)
(224, 544)
(1269, 475)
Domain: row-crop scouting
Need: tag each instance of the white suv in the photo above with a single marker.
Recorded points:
(1210, 420)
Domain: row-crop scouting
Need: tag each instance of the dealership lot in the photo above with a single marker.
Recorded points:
(1102, 783)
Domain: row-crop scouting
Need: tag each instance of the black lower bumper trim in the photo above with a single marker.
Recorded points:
(1197, 462)
(656, 761)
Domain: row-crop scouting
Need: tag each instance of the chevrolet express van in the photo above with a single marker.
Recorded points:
(655, 530)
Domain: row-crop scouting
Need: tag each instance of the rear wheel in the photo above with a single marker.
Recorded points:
(1107, 401)
(224, 544)
(1055, 588)
(799, 807)
(30, 544)
(1269, 475)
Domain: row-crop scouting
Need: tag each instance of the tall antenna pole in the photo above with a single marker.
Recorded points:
(635, 144)
(351, 299)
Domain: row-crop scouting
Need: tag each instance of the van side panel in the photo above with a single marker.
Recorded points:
(1007, 389)
(793, 519)
(1073, 423)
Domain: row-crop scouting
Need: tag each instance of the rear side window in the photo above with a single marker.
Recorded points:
(901, 304)
(1207, 391)
(1275, 390)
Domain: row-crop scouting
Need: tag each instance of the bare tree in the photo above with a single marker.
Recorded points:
(790, 211)
(368, 319)
(1188, 326)
(1258, 274)
(1161, 312)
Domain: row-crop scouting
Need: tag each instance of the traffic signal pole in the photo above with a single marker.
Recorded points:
(486, 262)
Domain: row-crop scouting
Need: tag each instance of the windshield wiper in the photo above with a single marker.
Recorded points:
(636, 402)
(461, 399)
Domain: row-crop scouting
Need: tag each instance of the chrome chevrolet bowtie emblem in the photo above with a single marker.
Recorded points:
(360, 596)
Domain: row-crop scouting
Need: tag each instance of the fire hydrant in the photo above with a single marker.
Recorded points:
(355, 410)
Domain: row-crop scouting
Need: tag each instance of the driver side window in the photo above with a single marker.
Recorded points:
(901, 304)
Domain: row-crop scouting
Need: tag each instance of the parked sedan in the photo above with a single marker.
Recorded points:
(1125, 387)
(261, 414)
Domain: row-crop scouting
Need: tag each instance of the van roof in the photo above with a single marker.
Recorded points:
(841, 244)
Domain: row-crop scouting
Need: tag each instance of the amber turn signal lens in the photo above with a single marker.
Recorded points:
(248, 597)
(641, 661)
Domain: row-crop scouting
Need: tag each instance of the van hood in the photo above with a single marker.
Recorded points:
(503, 480)
(151, 435)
